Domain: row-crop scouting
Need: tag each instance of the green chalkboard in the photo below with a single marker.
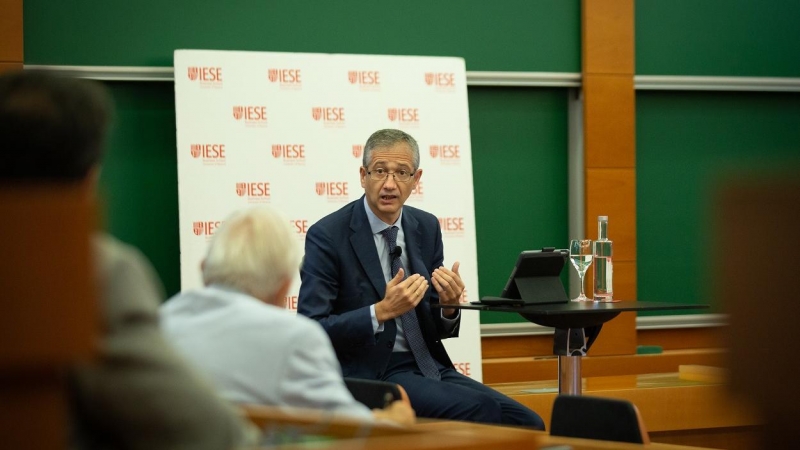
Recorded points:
(718, 37)
(687, 145)
(139, 179)
(509, 35)
(519, 165)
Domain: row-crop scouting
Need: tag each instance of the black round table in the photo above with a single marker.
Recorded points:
(576, 325)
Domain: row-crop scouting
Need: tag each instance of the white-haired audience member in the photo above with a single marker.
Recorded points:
(238, 331)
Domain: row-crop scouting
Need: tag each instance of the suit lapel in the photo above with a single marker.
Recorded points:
(364, 247)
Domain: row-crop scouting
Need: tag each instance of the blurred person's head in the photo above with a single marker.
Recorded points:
(254, 251)
(52, 128)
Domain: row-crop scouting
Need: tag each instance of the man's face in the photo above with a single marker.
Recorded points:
(385, 198)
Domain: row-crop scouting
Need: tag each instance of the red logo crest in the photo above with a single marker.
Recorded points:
(358, 150)
(197, 228)
(196, 149)
(316, 113)
(276, 151)
(434, 151)
(193, 72)
(320, 188)
(241, 188)
(392, 114)
(352, 76)
(273, 75)
(238, 112)
(428, 78)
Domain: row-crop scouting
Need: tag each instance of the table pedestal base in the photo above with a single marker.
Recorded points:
(569, 375)
(570, 344)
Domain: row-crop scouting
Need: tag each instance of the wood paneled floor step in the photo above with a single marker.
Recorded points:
(526, 369)
(675, 410)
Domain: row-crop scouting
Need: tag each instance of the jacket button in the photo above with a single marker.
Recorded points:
(389, 344)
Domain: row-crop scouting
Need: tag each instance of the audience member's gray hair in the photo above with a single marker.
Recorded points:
(254, 251)
(388, 138)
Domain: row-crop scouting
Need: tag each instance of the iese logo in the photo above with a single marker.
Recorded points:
(256, 192)
(334, 190)
(358, 150)
(288, 78)
(441, 80)
(331, 116)
(207, 76)
(300, 226)
(365, 79)
(463, 367)
(446, 153)
(291, 302)
(452, 225)
(404, 116)
(205, 228)
(212, 154)
(292, 154)
(255, 116)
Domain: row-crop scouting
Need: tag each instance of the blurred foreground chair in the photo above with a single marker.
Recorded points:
(588, 417)
(50, 318)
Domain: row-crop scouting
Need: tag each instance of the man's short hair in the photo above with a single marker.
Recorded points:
(52, 128)
(254, 251)
(388, 138)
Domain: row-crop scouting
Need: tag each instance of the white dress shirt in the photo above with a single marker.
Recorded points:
(258, 353)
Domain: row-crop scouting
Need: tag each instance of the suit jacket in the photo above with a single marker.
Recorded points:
(342, 276)
(258, 353)
(140, 394)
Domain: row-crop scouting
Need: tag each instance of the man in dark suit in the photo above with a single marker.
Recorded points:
(367, 277)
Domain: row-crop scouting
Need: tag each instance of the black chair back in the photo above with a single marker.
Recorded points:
(587, 417)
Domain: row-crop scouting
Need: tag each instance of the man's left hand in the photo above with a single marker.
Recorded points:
(450, 287)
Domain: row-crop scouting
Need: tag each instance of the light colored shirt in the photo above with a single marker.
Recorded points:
(258, 353)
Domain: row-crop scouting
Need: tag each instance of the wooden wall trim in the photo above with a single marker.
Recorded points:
(10, 34)
(609, 151)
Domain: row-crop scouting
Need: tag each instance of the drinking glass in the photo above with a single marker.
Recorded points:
(580, 253)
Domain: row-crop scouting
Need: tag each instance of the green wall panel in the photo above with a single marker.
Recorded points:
(718, 37)
(519, 35)
(688, 145)
(519, 165)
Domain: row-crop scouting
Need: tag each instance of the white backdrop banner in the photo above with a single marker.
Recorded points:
(288, 129)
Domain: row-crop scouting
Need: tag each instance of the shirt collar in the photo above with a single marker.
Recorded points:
(376, 224)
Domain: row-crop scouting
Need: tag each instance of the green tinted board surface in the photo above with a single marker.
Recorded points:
(508, 35)
(718, 37)
(688, 144)
(139, 179)
(519, 165)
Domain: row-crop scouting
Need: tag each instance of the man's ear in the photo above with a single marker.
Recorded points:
(417, 177)
(362, 172)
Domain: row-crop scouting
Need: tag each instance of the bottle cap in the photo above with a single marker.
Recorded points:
(602, 218)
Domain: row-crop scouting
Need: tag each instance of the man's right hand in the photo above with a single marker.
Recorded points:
(399, 412)
(401, 296)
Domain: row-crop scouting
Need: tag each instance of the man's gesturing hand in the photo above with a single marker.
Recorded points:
(449, 285)
(401, 296)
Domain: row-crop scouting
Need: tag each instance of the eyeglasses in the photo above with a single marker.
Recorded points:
(380, 174)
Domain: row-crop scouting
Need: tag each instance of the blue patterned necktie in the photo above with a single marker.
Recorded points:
(409, 320)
